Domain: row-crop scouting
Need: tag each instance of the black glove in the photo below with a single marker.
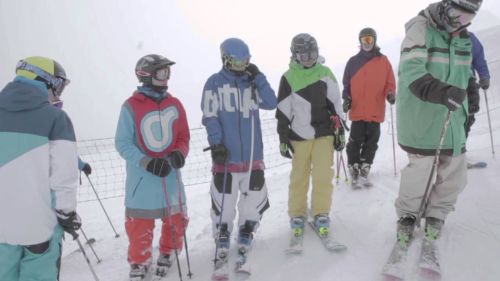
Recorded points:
(286, 149)
(339, 139)
(346, 105)
(87, 169)
(453, 98)
(70, 222)
(177, 159)
(252, 70)
(158, 167)
(391, 98)
(484, 83)
(220, 154)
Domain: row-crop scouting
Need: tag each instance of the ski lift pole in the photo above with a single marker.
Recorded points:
(489, 122)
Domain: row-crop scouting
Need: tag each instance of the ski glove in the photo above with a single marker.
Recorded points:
(158, 167)
(286, 149)
(70, 222)
(177, 159)
(253, 71)
(453, 98)
(484, 83)
(87, 170)
(346, 105)
(339, 139)
(220, 154)
(391, 98)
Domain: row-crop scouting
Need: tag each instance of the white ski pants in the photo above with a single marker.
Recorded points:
(249, 196)
(451, 179)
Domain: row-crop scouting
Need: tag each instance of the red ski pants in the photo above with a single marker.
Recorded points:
(140, 236)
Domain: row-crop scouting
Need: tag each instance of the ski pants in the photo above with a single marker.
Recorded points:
(451, 179)
(363, 142)
(248, 194)
(39, 262)
(140, 236)
(312, 158)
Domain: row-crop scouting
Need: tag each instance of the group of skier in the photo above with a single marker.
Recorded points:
(437, 97)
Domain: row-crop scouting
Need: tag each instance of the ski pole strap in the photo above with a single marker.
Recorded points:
(336, 121)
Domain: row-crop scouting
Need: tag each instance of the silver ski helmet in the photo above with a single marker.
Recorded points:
(235, 54)
(304, 49)
(153, 70)
(458, 14)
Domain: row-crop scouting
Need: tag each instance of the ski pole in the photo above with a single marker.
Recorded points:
(189, 274)
(75, 237)
(343, 166)
(393, 142)
(338, 167)
(172, 229)
(90, 245)
(423, 203)
(489, 122)
(102, 206)
(187, 256)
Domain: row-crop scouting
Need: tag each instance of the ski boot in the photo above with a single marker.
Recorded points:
(221, 272)
(363, 172)
(322, 224)
(163, 264)
(295, 245)
(138, 272)
(354, 172)
(406, 226)
(433, 228)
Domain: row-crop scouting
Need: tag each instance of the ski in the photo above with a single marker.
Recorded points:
(365, 182)
(221, 272)
(329, 242)
(394, 268)
(295, 245)
(428, 263)
(479, 164)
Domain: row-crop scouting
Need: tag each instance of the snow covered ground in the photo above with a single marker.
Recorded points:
(364, 220)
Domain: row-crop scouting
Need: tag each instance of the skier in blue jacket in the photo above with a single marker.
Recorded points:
(230, 104)
(38, 173)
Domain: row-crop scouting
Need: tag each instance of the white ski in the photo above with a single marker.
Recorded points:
(328, 241)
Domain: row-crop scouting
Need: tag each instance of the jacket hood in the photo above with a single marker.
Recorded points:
(23, 94)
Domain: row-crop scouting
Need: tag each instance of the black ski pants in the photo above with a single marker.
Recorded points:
(363, 142)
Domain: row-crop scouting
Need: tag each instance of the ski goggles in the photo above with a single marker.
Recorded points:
(457, 17)
(162, 74)
(307, 58)
(368, 39)
(238, 64)
(57, 84)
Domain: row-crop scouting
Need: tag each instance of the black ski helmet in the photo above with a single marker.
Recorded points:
(44, 69)
(368, 31)
(147, 66)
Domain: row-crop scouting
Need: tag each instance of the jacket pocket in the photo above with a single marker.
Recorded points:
(136, 186)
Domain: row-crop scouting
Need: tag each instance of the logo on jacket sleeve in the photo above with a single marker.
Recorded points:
(157, 128)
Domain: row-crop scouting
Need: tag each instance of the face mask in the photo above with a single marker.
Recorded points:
(367, 43)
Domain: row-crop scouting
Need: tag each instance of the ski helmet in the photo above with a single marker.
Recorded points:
(153, 70)
(304, 49)
(235, 54)
(367, 38)
(457, 14)
(368, 31)
(46, 70)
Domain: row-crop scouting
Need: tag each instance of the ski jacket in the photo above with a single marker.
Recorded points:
(431, 61)
(229, 112)
(368, 79)
(307, 97)
(152, 129)
(479, 63)
(38, 163)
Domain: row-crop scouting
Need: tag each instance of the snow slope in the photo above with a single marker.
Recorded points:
(363, 219)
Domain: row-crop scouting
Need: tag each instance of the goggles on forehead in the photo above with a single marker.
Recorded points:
(238, 64)
(57, 84)
(307, 58)
(457, 17)
(368, 39)
(162, 74)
